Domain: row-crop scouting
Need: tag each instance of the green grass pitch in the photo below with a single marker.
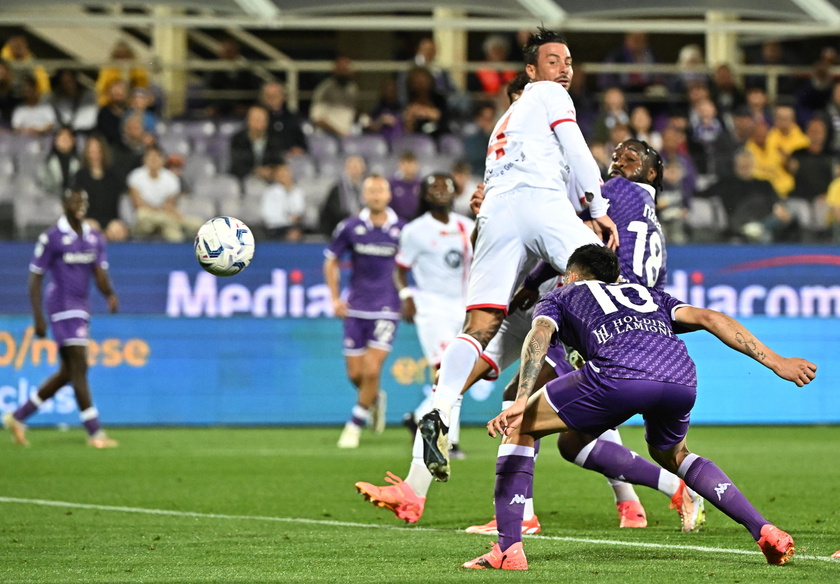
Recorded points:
(279, 505)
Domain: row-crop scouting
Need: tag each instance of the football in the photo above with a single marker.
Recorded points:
(224, 246)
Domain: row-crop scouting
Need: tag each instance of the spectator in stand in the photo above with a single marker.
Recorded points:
(282, 206)
(154, 192)
(833, 201)
(344, 198)
(634, 50)
(692, 64)
(618, 134)
(492, 81)
(335, 100)
(74, 105)
(641, 126)
(678, 185)
(56, 173)
(405, 187)
(786, 135)
(815, 93)
(812, 167)
(425, 57)
(832, 115)
(586, 105)
(104, 189)
(237, 78)
(477, 136)
(743, 125)
(709, 145)
(613, 111)
(726, 95)
(16, 52)
(758, 105)
(769, 160)
(9, 97)
(141, 103)
(465, 185)
(128, 153)
(32, 115)
(426, 112)
(109, 120)
(755, 212)
(385, 118)
(770, 54)
(283, 123)
(124, 67)
(254, 151)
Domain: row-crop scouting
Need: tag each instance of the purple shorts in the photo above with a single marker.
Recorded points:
(592, 403)
(362, 333)
(70, 331)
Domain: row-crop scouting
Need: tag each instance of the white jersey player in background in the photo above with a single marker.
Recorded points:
(435, 247)
(526, 214)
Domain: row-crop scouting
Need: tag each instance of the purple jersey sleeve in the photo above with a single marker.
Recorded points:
(624, 331)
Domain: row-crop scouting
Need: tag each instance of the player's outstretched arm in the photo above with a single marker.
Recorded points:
(103, 283)
(35, 286)
(332, 277)
(401, 282)
(736, 335)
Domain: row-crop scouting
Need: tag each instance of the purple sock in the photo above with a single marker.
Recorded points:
(25, 411)
(619, 462)
(514, 478)
(92, 426)
(704, 476)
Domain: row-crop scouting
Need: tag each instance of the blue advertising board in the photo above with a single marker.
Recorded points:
(262, 348)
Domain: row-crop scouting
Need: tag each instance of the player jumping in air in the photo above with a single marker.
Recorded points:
(71, 252)
(635, 364)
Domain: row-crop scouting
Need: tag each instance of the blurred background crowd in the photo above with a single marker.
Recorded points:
(746, 161)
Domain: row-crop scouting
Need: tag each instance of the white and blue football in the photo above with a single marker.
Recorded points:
(224, 246)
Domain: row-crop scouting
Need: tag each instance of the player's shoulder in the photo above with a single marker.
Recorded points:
(546, 88)
(463, 220)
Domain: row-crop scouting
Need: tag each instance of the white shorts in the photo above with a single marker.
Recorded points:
(436, 327)
(517, 225)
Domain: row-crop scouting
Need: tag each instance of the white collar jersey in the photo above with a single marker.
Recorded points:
(523, 149)
(439, 256)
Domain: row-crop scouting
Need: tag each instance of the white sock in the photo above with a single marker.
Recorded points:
(668, 482)
(455, 366)
(424, 408)
(529, 509)
(419, 478)
(507, 403)
(455, 422)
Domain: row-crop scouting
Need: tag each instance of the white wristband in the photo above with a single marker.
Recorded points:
(405, 293)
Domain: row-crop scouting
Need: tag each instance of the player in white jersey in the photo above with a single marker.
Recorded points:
(526, 214)
(435, 247)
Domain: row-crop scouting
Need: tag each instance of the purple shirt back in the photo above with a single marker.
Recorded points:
(624, 331)
(70, 260)
(372, 250)
(642, 254)
(405, 196)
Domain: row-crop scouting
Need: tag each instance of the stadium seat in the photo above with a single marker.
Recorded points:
(174, 144)
(367, 146)
(197, 166)
(330, 168)
(29, 162)
(706, 219)
(452, 146)
(250, 211)
(322, 146)
(384, 165)
(196, 206)
(422, 146)
(126, 211)
(254, 186)
(315, 191)
(34, 213)
(218, 187)
(302, 166)
(441, 163)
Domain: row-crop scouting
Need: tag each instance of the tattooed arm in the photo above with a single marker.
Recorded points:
(737, 336)
(533, 355)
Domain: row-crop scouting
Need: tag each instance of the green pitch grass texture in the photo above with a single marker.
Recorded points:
(279, 505)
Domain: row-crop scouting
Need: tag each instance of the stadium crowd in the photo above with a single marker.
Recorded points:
(738, 166)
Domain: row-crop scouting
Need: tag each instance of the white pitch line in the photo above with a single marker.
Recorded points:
(141, 510)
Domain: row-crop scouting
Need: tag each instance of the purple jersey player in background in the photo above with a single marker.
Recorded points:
(635, 364)
(372, 308)
(71, 252)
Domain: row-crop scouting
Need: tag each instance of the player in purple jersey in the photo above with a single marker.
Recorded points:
(636, 172)
(71, 252)
(371, 310)
(636, 364)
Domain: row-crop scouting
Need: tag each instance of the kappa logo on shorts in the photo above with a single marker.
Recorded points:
(720, 489)
(517, 500)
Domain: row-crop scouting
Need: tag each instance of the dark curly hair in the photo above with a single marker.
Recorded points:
(594, 261)
(542, 37)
